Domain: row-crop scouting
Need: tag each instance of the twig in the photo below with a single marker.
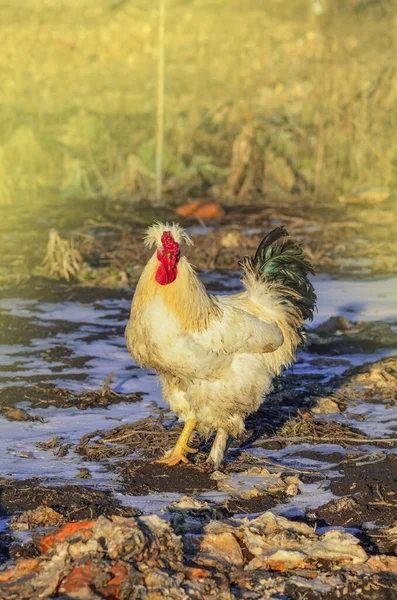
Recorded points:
(106, 384)
(286, 469)
(134, 432)
(313, 438)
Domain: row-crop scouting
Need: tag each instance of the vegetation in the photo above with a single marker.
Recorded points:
(292, 95)
(289, 101)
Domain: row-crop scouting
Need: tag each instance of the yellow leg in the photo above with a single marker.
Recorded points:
(181, 447)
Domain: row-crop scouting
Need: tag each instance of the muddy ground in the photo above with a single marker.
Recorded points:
(355, 239)
(81, 427)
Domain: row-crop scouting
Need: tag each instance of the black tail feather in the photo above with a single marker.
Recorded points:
(284, 262)
(271, 237)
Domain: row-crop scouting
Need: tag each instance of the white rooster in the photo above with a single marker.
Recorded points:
(216, 356)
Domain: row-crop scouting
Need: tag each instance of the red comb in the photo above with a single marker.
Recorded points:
(168, 242)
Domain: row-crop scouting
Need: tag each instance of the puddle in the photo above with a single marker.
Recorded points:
(375, 420)
(290, 457)
(19, 438)
(312, 495)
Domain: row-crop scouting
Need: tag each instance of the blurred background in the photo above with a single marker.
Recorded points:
(268, 104)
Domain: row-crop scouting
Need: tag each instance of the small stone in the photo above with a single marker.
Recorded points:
(84, 473)
(339, 547)
(381, 563)
(224, 547)
(43, 516)
(325, 406)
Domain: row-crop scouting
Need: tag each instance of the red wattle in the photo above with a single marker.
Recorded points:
(167, 271)
(165, 276)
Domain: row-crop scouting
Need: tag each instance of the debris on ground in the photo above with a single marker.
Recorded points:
(201, 208)
(62, 259)
(25, 500)
(43, 397)
(385, 538)
(306, 428)
(372, 382)
(256, 481)
(149, 437)
(42, 516)
(19, 414)
(143, 557)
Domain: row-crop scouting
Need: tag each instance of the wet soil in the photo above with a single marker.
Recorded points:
(42, 289)
(368, 487)
(21, 330)
(255, 505)
(337, 237)
(149, 438)
(74, 502)
(142, 479)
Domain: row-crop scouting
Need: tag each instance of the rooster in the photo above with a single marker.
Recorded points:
(216, 356)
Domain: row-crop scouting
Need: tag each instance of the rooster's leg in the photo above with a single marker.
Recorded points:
(181, 447)
(221, 443)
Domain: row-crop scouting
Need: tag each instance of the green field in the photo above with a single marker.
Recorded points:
(310, 98)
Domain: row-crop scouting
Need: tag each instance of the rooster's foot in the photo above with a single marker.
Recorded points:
(176, 456)
(181, 447)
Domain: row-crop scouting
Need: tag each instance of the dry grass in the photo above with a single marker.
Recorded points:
(287, 99)
(62, 259)
(147, 437)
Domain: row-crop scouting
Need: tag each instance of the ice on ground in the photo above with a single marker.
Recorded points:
(80, 356)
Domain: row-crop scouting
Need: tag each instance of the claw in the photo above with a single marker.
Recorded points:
(190, 450)
(181, 447)
(174, 459)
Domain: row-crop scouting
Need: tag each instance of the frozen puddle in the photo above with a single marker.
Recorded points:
(311, 496)
(19, 439)
(76, 346)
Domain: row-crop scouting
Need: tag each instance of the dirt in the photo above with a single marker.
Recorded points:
(336, 237)
(22, 330)
(368, 487)
(367, 587)
(255, 505)
(74, 502)
(142, 479)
